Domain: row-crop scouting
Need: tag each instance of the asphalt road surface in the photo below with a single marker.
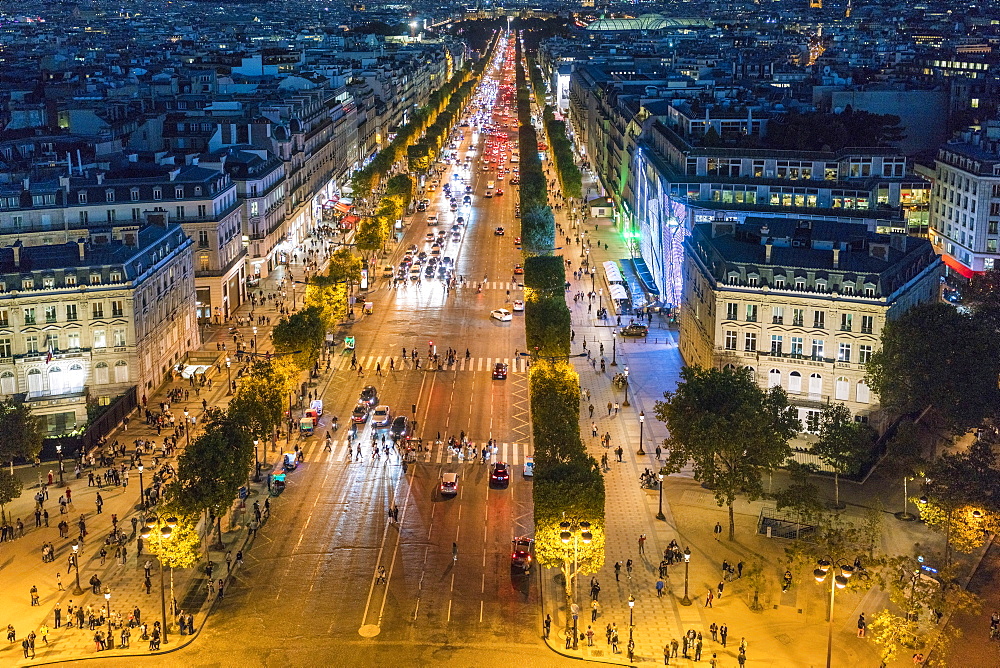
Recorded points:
(309, 591)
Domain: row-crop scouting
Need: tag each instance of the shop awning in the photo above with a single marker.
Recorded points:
(344, 205)
(957, 266)
(612, 272)
(618, 292)
(350, 220)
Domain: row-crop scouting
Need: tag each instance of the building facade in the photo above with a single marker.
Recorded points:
(800, 302)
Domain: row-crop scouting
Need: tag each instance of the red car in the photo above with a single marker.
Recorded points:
(499, 475)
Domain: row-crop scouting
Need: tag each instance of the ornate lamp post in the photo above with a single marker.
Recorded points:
(59, 454)
(687, 561)
(660, 515)
(166, 527)
(631, 607)
(580, 532)
(76, 566)
(229, 378)
(142, 497)
(642, 422)
(187, 427)
(107, 599)
(825, 567)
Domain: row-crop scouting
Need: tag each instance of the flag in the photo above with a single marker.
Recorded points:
(48, 356)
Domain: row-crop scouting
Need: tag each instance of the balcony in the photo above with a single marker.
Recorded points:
(778, 320)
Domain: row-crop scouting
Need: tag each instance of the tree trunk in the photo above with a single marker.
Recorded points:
(836, 488)
(732, 522)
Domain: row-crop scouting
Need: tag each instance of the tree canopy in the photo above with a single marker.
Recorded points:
(935, 356)
(22, 432)
(843, 443)
(301, 333)
(729, 429)
(260, 397)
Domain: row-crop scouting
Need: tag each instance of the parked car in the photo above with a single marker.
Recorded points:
(635, 329)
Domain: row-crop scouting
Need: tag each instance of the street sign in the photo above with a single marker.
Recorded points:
(349, 342)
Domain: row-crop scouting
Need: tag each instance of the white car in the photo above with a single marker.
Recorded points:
(432, 220)
(381, 417)
(518, 305)
(501, 314)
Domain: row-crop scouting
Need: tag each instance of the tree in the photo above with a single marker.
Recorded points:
(801, 496)
(555, 412)
(22, 432)
(935, 356)
(843, 443)
(960, 497)
(729, 429)
(756, 580)
(301, 333)
(10, 489)
(211, 470)
(260, 397)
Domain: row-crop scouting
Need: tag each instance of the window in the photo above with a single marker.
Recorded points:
(157, 193)
(119, 337)
(116, 276)
(730, 339)
(750, 342)
(48, 281)
(50, 314)
(52, 341)
(29, 316)
(100, 338)
(751, 313)
(798, 316)
(815, 384)
(83, 217)
(31, 344)
(81, 198)
(779, 282)
(841, 389)
(776, 344)
(731, 310)
(864, 354)
(179, 212)
(204, 262)
(844, 352)
(111, 215)
(73, 340)
(797, 346)
(203, 211)
(819, 319)
(71, 280)
(109, 195)
(800, 284)
(136, 213)
(134, 195)
(847, 288)
(774, 378)
(846, 319)
(179, 192)
(4, 318)
(97, 309)
(817, 348)
(867, 324)
(869, 292)
(117, 308)
(863, 396)
(795, 382)
(28, 284)
(778, 315)
(71, 311)
(203, 239)
(5, 349)
(95, 279)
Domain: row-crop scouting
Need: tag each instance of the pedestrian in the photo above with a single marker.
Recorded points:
(659, 588)
(666, 654)
(610, 408)
(722, 585)
(34, 594)
(709, 599)
(628, 568)
(618, 570)
(673, 648)
(546, 626)
(714, 630)
(590, 637)
(723, 633)
(43, 631)
(616, 408)
(739, 570)
(659, 451)
(718, 530)
(593, 610)
(57, 612)
(642, 543)
(59, 581)
(697, 649)
(714, 661)
(862, 625)
(591, 411)
(631, 650)
(743, 645)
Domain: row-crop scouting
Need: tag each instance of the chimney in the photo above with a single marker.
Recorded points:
(767, 251)
(17, 254)
(81, 246)
(100, 178)
(174, 173)
(898, 241)
(836, 258)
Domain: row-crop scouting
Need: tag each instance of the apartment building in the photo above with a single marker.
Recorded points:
(965, 202)
(802, 303)
(83, 321)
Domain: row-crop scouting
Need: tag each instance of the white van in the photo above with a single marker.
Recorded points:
(490, 185)
(449, 484)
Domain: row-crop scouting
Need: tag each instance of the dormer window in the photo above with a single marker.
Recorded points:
(157, 194)
(179, 192)
(820, 285)
(48, 282)
(70, 280)
(134, 194)
(116, 277)
(109, 195)
(753, 280)
(800, 284)
(197, 191)
(847, 289)
(81, 198)
(779, 282)
(95, 279)
(27, 284)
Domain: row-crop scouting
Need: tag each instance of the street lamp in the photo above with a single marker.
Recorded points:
(625, 401)
(255, 338)
(107, 599)
(229, 378)
(76, 565)
(905, 515)
(59, 454)
(166, 530)
(642, 422)
(570, 533)
(614, 347)
(600, 298)
(687, 561)
(593, 277)
(660, 515)
(142, 497)
(839, 580)
(256, 459)
(187, 427)
(631, 607)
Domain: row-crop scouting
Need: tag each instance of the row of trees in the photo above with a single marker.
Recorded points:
(537, 222)
(365, 181)
(568, 484)
(22, 441)
(375, 230)
(562, 150)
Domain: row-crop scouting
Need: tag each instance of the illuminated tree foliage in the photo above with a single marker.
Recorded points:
(183, 548)
(260, 396)
(843, 443)
(22, 432)
(301, 336)
(10, 489)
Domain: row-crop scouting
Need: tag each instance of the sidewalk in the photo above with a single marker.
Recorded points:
(21, 566)
(790, 632)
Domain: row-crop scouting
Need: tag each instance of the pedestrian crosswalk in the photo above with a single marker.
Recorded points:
(372, 362)
(434, 453)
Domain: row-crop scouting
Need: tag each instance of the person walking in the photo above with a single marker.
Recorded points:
(546, 626)
(722, 585)
(593, 610)
(628, 568)
(642, 543)
(862, 625)
(618, 571)
(659, 588)
(723, 633)
(709, 599)
(590, 636)
(718, 530)
(666, 654)
(616, 408)
(611, 407)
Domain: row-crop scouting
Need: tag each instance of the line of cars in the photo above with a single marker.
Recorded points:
(380, 415)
